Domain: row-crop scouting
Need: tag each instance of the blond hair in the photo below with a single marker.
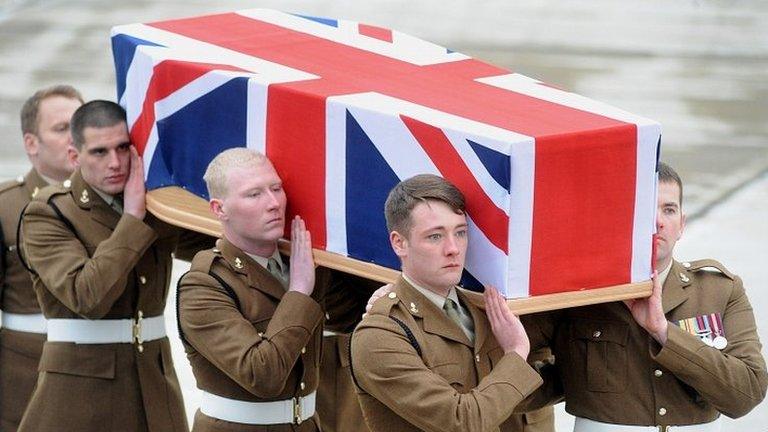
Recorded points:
(215, 176)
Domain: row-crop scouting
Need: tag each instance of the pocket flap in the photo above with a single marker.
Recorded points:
(602, 331)
(97, 361)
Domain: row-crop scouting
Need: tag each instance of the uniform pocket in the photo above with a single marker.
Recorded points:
(603, 345)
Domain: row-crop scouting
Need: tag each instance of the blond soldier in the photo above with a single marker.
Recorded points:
(426, 357)
(674, 361)
(102, 268)
(251, 323)
(45, 127)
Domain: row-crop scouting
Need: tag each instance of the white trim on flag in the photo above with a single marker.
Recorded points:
(403, 47)
(336, 176)
(485, 261)
(256, 117)
(645, 202)
(523, 166)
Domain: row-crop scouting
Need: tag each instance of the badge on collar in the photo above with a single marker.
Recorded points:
(84, 198)
(708, 328)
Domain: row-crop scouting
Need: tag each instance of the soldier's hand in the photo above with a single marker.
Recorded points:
(506, 326)
(379, 293)
(134, 194)
(649, 312)
(302, 263)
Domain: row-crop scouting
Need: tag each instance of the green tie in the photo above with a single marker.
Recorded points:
(277, 272)
(464, 322)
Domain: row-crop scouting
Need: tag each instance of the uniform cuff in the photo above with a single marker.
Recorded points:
(295, 310)
(140, 234)
(518, 373)
(679, 348)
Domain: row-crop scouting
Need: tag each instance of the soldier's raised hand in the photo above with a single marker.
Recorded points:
(506, 326)
(649, 312)
(134, 193)
(302, 263)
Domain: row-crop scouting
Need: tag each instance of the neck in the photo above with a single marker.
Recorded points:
(264, 249)
(55, 175)
(439, 290)
(662, 264)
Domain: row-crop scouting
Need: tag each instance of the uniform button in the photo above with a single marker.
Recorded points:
(392, 295)
(687, 265)
(303, 386)
(143, 280)
(261, 334)
(662, 411)
(327, 316)
(477, 358)
(597, 334)
(657, 373)
(304, 350)
(67, 183)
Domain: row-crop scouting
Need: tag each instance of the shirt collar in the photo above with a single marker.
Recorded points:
(263, 260)
(105, 196)
(49, 180)
(432, 296)
(664, 273)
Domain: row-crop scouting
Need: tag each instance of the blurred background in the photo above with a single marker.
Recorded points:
(700, 68)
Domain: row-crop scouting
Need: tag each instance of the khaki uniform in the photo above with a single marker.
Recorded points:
(19, 351)
(540, 419)
(337, 406)
(453, 385)
(103, 266)
(614, 372)
(267, 350)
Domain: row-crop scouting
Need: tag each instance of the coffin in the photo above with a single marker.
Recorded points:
(560, 188)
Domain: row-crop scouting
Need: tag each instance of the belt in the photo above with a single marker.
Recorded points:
(331, 333)
(106, 331)
(294, 410)
(29, 323)
(587, 425)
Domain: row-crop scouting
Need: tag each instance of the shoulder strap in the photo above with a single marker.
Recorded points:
(230, 292)
(408, 334)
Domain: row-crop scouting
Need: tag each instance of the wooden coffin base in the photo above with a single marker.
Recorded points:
(182, 208)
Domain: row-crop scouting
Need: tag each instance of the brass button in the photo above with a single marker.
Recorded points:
(327, 316)
(597, 334)
(143, 280)
(662, 411)
(657, 373)
(687, 265)
(302, 385)
(477, 358)
(392, 295)
(67, 183)
(304, 350)
(261, 334)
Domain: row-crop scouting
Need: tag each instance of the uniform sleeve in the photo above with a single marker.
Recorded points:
(260, 363)
(734, 380)
(86, 284)
(388, 368)
(345, 300)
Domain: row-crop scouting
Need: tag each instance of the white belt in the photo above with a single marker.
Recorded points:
(331, 333)
(587, 425)
(83, 331)
(293, 410)
(29, 323)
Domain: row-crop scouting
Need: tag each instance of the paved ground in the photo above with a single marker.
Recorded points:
(698, 67)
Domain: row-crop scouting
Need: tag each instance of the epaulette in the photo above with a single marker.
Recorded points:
(385, 304)
(11, 184)
(203, 260)
(709, 264)
(50, 192)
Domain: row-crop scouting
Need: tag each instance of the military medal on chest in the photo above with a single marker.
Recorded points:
(708, 328)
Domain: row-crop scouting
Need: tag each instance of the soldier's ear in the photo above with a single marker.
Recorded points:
(399, 243)
(217, 208)
(31, 144)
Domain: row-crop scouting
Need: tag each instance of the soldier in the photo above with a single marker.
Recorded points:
(102, 267)
(426, 357)
(45, 127)
(250, 323)
(679, 358)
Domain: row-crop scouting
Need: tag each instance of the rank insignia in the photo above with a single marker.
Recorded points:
(708, 328)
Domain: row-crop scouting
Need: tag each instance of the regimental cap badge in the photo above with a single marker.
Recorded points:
(84, 198)
(238, 263)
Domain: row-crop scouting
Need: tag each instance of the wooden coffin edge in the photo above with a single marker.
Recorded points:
(182, 208)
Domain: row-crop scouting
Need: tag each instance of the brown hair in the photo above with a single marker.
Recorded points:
(421, 188)
(94, 114)
(31, 107)
(667, 174)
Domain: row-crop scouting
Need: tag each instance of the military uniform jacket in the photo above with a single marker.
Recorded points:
(613, 371)
(19, 351)
(99, 264)
(453, 385)
(266, 349)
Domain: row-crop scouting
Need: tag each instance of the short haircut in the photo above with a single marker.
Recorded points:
(667, 174)
(216, 174)
(95, 114)
(31, 107)
(419, 189)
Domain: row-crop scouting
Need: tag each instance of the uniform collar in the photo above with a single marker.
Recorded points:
(434, 319)
(263, 261)
(674, 291)
(242, 263)
(33, 182)
(432, 296)
(86, 198)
